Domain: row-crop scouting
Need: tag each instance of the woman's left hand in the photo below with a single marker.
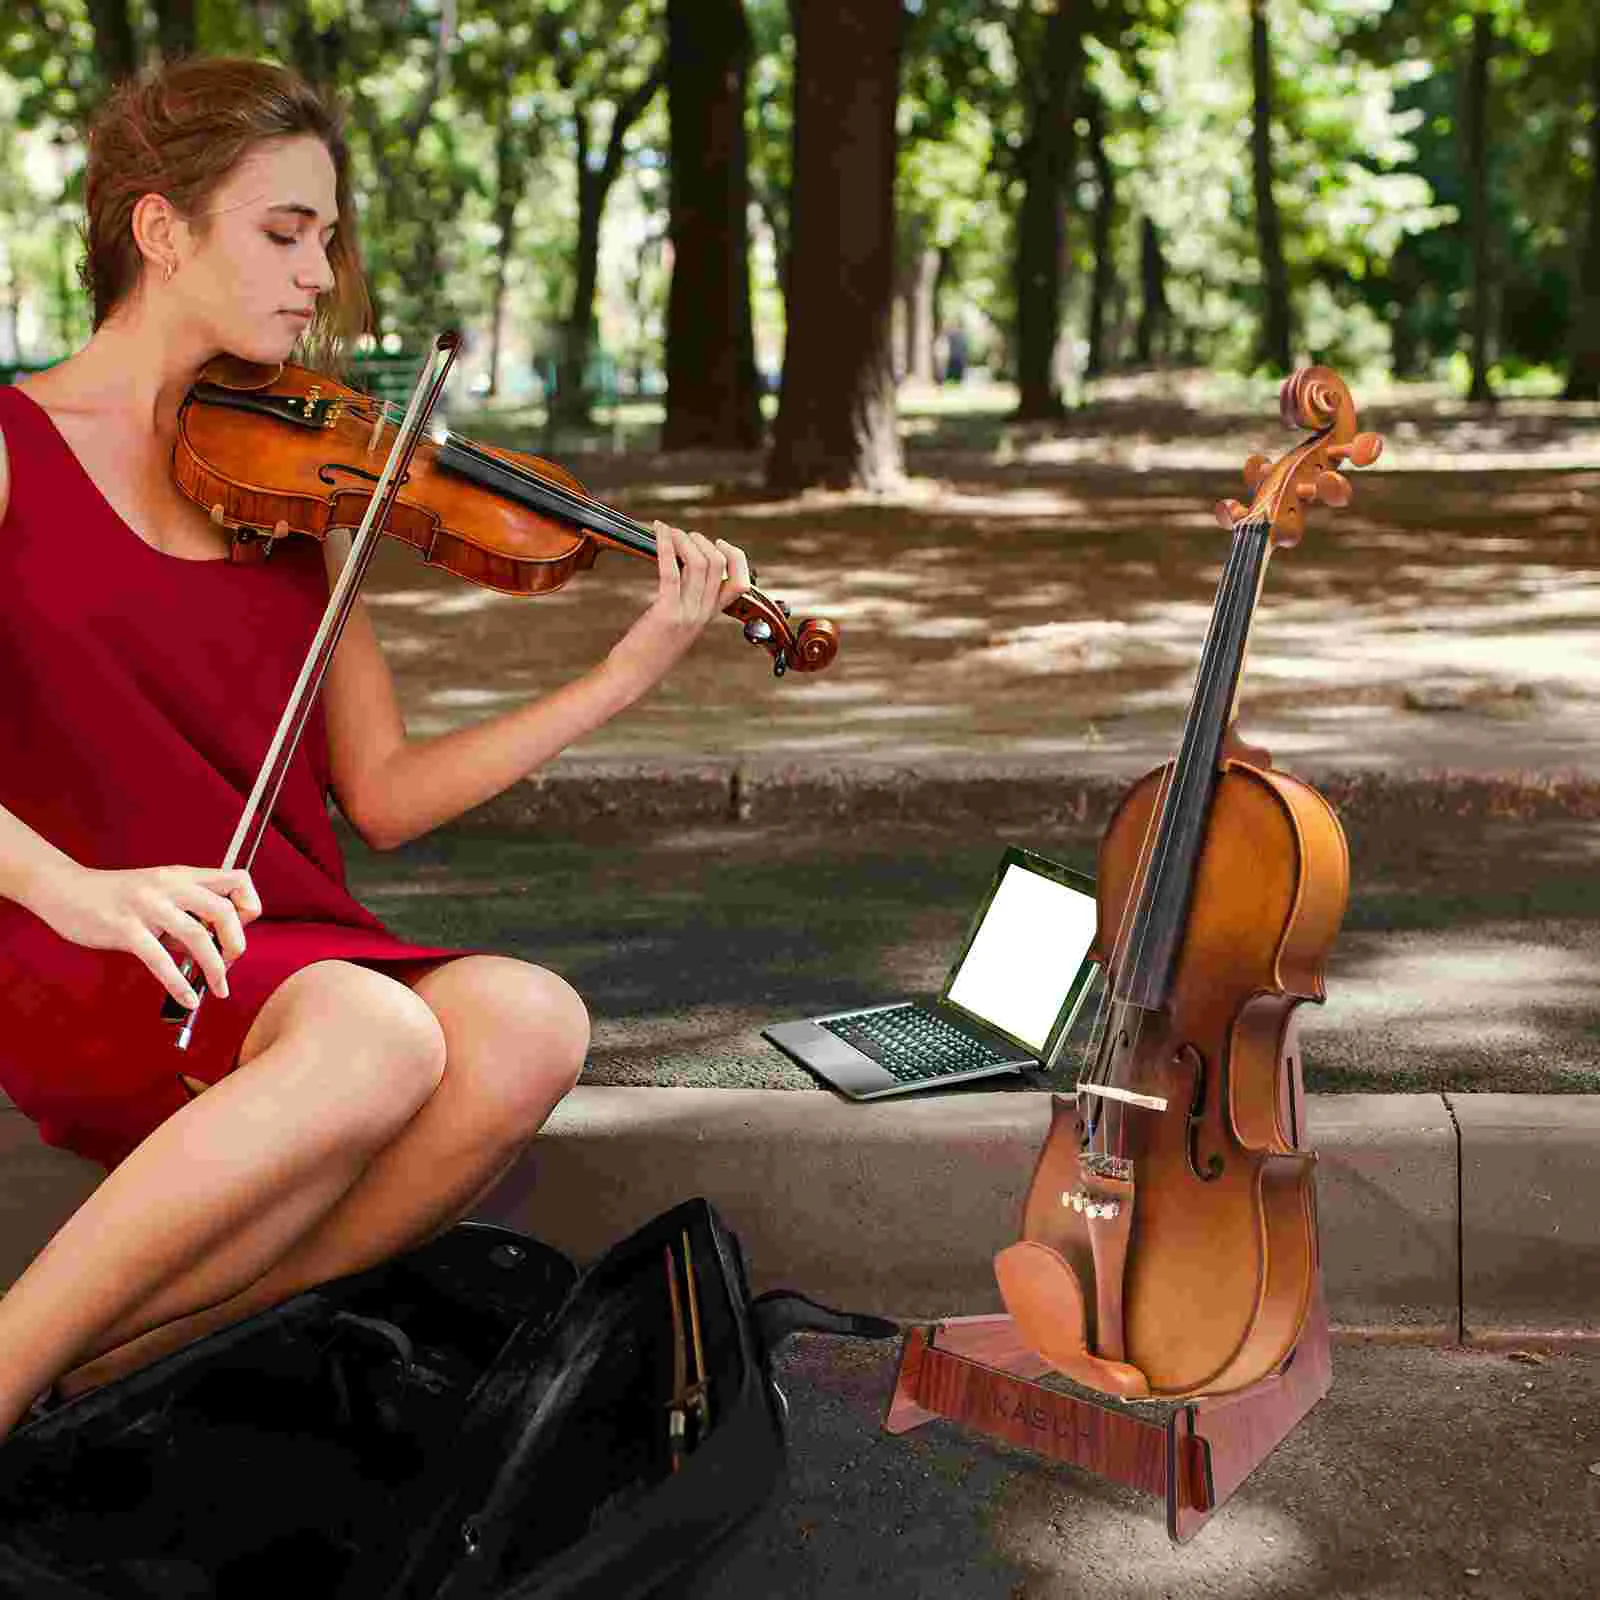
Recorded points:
(697, 579)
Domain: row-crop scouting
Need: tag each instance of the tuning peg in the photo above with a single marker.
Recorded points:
(1362, 450)
(1255, 469)
(1228, 512)
(1334, 489)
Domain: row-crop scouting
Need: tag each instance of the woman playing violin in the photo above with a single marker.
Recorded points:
(346, 1094)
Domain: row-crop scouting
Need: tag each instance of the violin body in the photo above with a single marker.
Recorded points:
(1169, 1239)
(269, 452)
(1221, 1259)
(314, 479)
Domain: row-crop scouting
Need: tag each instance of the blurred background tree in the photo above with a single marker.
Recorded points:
(1023, 198)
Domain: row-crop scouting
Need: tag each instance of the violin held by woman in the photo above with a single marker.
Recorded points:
(270, 452)
(1169, 1242)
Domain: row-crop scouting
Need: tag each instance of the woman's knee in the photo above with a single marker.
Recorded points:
(517, 1035)
(561, 1021)
(365, 1039)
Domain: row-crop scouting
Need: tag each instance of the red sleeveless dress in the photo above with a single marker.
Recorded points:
(142, 691)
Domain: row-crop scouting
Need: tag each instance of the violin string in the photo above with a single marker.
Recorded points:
(1147, 868)
(1111, 1015)
(1234, 602)
(1192, 777)
(1112, 1012)
(1096, 1057)
(1236, 596)
(581, 507)
(1178, 787)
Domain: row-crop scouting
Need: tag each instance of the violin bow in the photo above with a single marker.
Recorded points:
(257, 812)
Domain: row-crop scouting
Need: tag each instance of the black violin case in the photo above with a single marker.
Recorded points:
(472, 1420)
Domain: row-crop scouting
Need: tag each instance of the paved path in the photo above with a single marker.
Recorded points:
(1424, 1475)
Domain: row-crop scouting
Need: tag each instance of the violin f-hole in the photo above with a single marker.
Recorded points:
(325, 473)
(1190, 1060)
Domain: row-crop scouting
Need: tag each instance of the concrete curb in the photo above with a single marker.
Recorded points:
(1439, 1216)
(1530, 1212)
(1000, 791)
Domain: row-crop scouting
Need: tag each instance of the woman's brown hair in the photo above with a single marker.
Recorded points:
(179, 132)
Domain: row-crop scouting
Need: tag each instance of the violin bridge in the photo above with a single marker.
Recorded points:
(1098, 1164)
(1150, 1102)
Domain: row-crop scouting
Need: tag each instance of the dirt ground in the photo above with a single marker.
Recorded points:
(1039, 597)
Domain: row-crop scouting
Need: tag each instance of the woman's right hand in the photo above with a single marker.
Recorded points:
(134, 909)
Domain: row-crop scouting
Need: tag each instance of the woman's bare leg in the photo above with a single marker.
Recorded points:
(350, 1058)
(515, 1038)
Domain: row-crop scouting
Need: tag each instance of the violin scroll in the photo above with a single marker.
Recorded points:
(808, 648)
(1315, 398)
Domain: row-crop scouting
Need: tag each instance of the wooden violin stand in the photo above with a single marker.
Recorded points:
(1192, 1453)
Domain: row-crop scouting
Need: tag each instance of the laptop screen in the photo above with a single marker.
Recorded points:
(1024, 967)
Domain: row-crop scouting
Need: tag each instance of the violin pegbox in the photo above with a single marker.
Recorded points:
(1315, 398)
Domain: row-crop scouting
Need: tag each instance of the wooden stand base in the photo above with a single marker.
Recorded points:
(1192, 1453)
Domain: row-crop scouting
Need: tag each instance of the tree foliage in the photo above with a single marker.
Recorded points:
(511, 158)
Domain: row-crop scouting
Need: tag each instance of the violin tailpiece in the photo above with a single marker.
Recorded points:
(1108, 1213)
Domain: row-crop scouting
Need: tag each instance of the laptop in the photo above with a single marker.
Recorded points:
(1009, 1001)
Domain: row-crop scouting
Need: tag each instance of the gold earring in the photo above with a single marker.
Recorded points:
(172, 266)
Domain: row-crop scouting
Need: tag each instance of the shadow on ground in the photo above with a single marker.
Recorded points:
(1465, 962)
(1042, 593)
(1424, 1475)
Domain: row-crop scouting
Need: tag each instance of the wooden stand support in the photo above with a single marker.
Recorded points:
(1192, 1453)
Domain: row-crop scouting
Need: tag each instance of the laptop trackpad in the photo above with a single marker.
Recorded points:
(826, 1054)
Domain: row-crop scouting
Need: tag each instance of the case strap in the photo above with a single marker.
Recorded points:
(781, 1312)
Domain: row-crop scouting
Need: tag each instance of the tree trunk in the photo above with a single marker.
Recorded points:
(14, 316)
(1477, 161)
(425, 273)
(315, 52)
(776, 218)
(572, 398)
(712, 396)
(1105, 210)
(944, 278)
(921, 324)
(116, 53)
(509, 169)
(836, 420)
(1405, 344)
(1583, 368)
(175, 28)
(577, 333)
(1276, 336)
(1150, 336)
(1048, 154)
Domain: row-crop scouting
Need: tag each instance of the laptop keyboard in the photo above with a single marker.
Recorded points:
(913, 1044)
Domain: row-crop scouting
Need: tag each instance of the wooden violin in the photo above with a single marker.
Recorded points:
(270, 452)
(1169, 1234)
